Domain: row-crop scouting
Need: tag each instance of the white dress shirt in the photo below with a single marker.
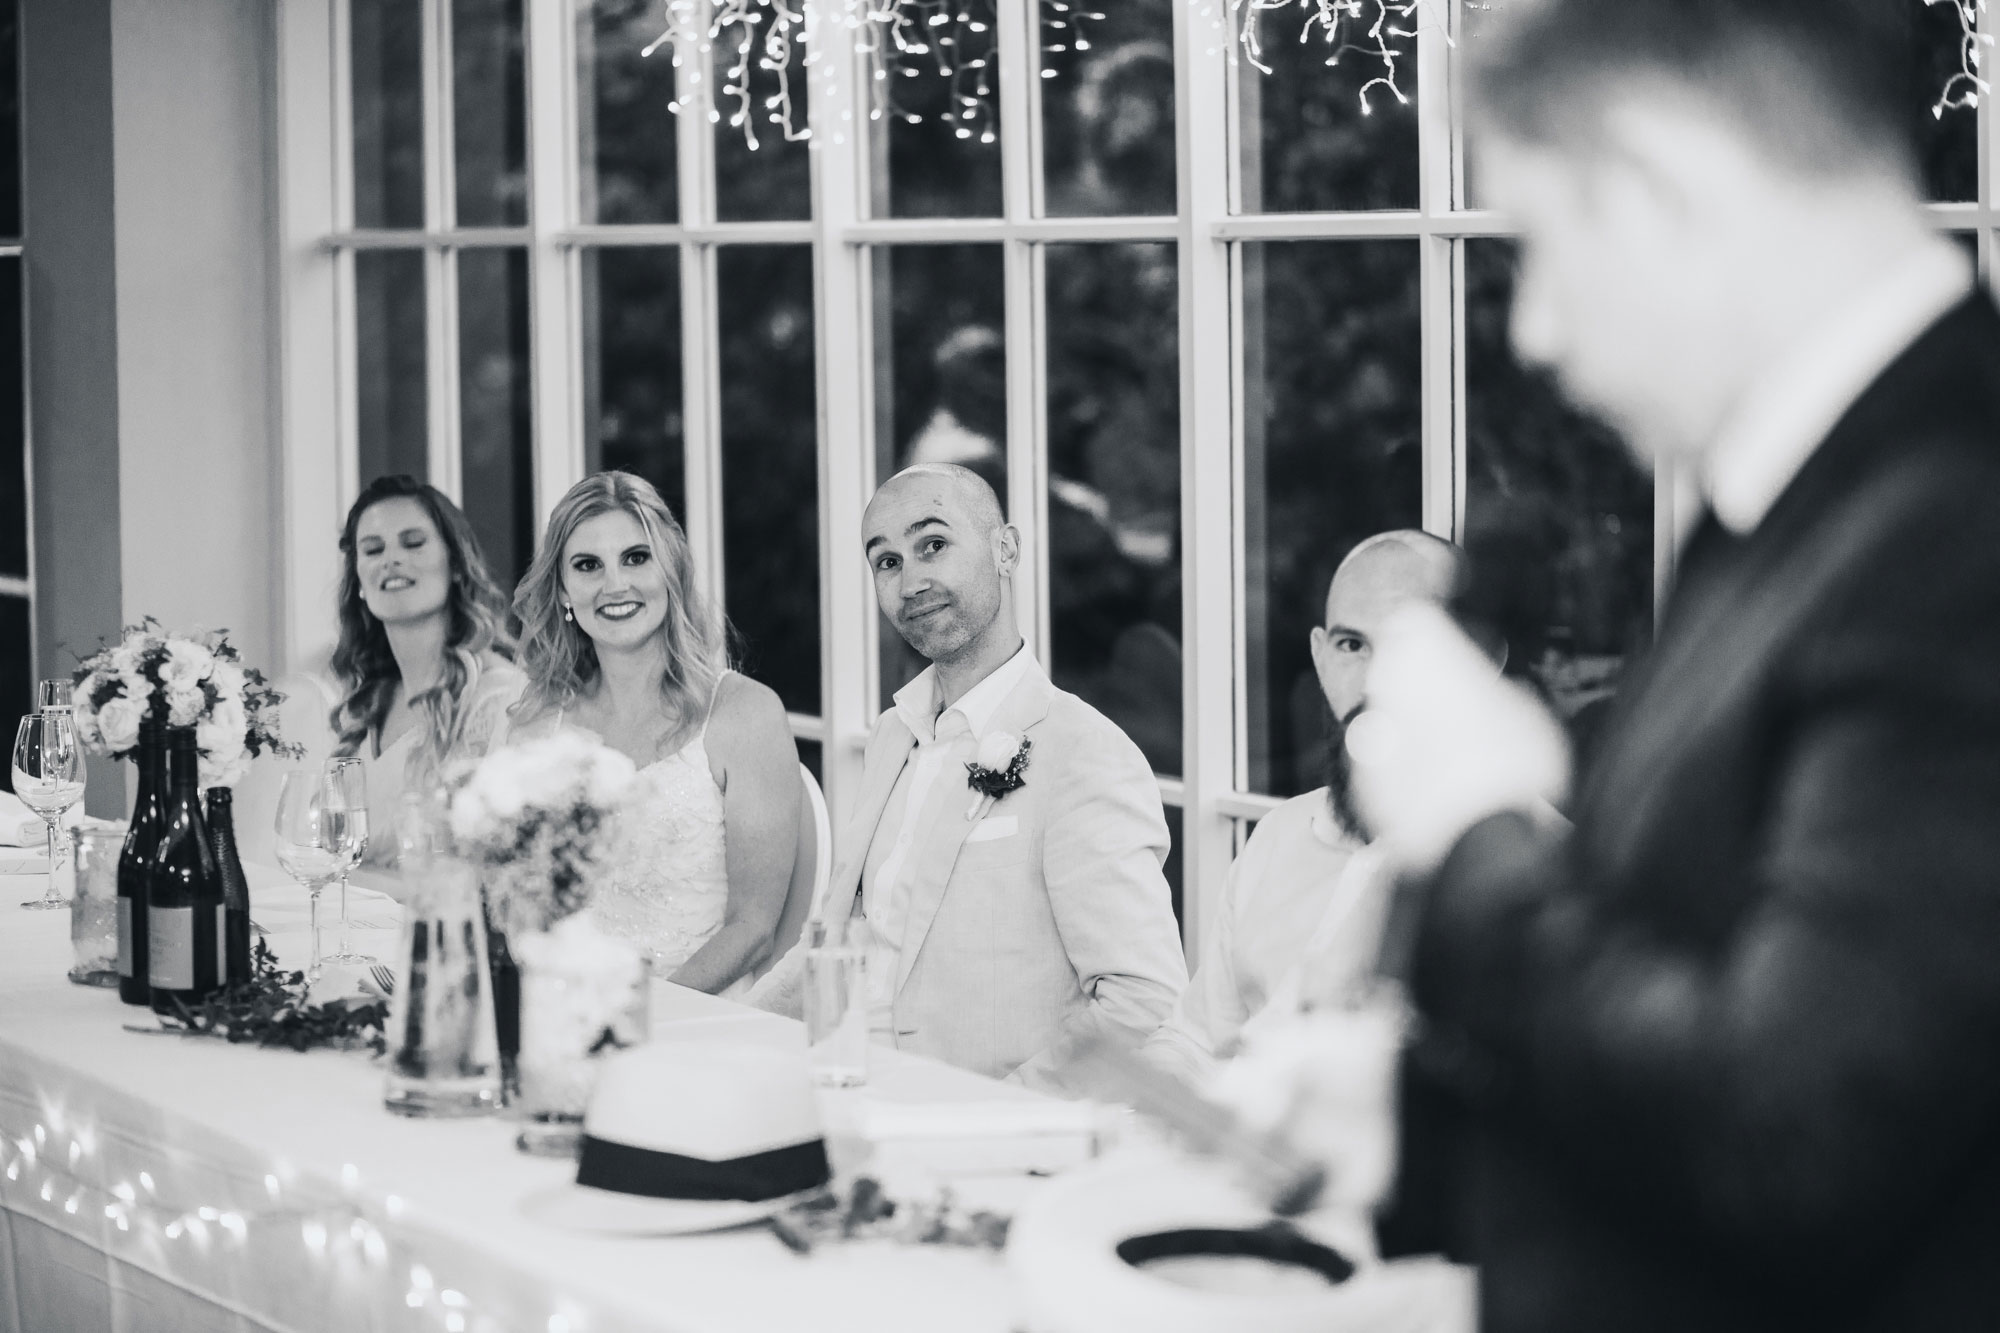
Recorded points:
(1287, 896)
(1791, 410)
(930, 787)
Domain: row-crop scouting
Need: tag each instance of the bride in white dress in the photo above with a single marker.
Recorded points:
(618, 641)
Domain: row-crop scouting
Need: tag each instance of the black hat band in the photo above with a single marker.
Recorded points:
(623, 1169)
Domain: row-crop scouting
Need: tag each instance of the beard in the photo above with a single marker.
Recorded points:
(1339, 777)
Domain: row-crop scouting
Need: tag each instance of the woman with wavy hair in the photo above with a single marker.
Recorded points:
(617, 640)
(423, 658)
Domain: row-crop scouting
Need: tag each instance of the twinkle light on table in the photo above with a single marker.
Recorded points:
(326, 1232)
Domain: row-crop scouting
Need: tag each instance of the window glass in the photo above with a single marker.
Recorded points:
(10, 118)
(627, 160)
(489, 113)
(1333, 453)
(942, 129)
(1559, 518)
(1948, 144)
(392, 403)
(496, 425)
(387, 71)
(1172, 869)
(1321, 136)
(770, 465)
(1114, 538)
(773, 181)
(1107, 90)
(13, 427)
(17, 673)
(632, 367)
(940, 381)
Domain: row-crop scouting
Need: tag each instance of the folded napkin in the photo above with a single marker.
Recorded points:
(982, 1137)
(22, 827)
(16, 861)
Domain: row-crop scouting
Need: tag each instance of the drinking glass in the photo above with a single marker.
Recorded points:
(346, 778)
(836, 1008)
(48, 777)
(312, 839)
(51, 694)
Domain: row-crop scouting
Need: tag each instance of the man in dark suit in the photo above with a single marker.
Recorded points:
(1725, 1054)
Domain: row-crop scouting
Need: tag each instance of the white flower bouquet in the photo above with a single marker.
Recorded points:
(537, 819)
(183, 680)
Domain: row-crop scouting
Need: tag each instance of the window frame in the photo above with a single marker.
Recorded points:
(1212, 795)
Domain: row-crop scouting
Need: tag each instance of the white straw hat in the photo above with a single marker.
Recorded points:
(685, 1136)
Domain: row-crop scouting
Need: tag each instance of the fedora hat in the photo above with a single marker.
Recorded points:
(686, 1136)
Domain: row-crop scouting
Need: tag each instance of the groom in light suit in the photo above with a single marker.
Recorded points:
(1000, 929)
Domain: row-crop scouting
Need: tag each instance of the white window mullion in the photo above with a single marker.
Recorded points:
(701, 370)
(845, 366)
(555, 345)
(1208, 502)
(1438, 325)
(1018, 48)
(1989, 165)
(440, 264)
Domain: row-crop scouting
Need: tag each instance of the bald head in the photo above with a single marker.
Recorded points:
(960, 488)
(1400, 566)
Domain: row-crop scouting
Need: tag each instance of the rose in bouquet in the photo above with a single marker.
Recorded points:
(183, 680)
(538, 818)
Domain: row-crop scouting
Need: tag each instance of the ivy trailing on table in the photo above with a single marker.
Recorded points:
(269, 1008)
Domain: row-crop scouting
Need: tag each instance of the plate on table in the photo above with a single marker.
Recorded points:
(609, 1213)
(15, 861)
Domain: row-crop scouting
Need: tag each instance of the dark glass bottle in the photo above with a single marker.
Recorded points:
(135, 862)
(235, 888)
(185, 920)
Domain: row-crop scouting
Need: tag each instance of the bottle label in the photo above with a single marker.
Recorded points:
(171, 931)
(124, 936)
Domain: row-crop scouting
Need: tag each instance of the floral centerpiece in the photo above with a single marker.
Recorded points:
(539, 821)
(183, 680)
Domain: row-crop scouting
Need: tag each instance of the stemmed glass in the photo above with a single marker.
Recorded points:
(313, 839)
(48, 777)
(347, 779)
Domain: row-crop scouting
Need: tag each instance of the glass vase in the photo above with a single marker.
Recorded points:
(443, 1057)
(583, 993)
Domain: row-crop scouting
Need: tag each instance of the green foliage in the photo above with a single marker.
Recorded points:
(269, 1008)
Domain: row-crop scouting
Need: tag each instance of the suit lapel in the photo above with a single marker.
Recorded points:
(887, 754)
(936, 850)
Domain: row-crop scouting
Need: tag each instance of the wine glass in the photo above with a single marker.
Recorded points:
(312, 839)
(349, 782)
(48, 777)
(52, 694)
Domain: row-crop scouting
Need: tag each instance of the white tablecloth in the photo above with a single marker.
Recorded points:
(327, 1213)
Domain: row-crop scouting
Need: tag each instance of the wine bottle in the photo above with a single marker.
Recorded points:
(235, 888)
(185, 920)
(135, 863)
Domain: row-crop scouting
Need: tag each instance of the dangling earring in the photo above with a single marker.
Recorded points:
(567, 613)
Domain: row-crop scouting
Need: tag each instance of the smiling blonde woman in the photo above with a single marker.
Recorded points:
(619, 642)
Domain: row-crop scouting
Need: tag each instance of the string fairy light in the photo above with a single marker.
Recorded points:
(342, 1233)
(1963, 89)
(748, 42)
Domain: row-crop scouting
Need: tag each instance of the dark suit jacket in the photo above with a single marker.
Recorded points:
(1727, 1055)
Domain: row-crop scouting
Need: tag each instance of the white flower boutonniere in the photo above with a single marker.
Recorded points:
(996, 769)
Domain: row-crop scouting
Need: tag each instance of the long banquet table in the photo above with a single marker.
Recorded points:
(157, 1182)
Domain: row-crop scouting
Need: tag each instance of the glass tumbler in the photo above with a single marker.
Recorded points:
(443, 1057)
(836, 1009)
(93, 909)
(583, 993)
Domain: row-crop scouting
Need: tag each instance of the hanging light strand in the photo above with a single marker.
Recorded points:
(1964, 89)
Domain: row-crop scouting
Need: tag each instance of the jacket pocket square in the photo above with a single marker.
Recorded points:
(994, 826)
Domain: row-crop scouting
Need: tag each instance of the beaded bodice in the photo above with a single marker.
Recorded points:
(669, 880)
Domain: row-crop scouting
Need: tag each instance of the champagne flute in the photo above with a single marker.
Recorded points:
(311, 841)
(48, 777)
(348, 782)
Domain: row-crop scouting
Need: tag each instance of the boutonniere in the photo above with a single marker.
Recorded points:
(996, 770)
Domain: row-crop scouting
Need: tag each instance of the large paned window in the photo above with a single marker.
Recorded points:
(17, 587)
(1203, 327)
